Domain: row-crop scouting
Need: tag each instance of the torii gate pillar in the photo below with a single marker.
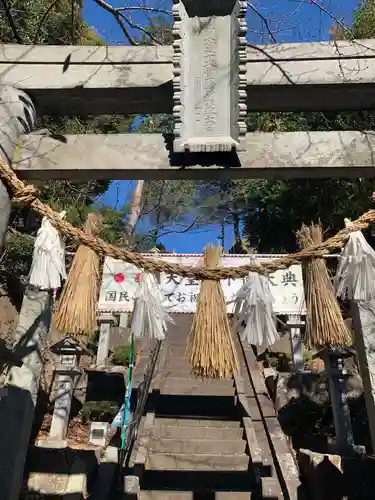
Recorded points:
(17, 116)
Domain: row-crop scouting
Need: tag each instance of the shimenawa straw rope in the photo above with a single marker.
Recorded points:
(28, 195)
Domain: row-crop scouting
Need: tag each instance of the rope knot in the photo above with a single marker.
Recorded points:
(25, 194)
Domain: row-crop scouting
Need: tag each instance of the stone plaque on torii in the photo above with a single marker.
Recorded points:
(209, 83)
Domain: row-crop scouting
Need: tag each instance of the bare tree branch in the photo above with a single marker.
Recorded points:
(124, 21)
(145, 9)
(44, 17)
(73, 21)
(334, 18)
(264, 20)
(176, 231)
(120, 18)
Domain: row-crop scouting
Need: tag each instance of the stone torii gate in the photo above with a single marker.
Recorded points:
(207, 79)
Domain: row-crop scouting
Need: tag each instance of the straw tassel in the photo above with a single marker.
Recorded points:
(325, 326)
(211, 348)
(253, 308)
(76, 310)
(355, 276)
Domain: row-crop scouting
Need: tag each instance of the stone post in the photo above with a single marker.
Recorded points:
(106, 322)
(65, 382)
(17, 117)
(124, 320)
(334, 367)
(17, 409)
(295, 323)
(363, 315)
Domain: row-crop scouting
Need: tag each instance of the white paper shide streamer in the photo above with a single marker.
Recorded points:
(150, 317)
(48, 265)
(253, 312)
(355, 276)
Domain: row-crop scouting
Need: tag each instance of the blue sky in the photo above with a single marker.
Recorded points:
(289, 21)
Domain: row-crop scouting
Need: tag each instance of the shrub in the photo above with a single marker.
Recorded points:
(99, 411)
(121, 355)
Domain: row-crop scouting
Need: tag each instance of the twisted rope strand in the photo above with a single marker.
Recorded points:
(28, 195)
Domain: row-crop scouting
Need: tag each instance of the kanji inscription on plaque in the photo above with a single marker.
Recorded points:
(209, 75)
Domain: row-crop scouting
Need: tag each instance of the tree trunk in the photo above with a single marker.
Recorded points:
(136, 209)
(237, 233)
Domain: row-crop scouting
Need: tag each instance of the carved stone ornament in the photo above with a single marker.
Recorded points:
(209, 84)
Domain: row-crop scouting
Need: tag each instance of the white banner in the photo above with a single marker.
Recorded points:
(120, 282)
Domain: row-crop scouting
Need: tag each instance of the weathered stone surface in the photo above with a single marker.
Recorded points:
(106, 321)
(184, 431)
(145, 156)
(106, 475)
(58, 470)
(332, 477)
(197, 446)
(98, 433)
(173, 461)
(17, 116)
(280, 77)
(209, 75)
(63, 402)
(17, 409)
(363, 314)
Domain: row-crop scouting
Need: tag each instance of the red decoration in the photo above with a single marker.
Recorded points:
(138, 277)
(119, 278)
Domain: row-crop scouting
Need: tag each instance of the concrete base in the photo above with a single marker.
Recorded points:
(55, 469)
(52, 443)
(332, 477)
(104, 483)
(132, 490)
(98, 433)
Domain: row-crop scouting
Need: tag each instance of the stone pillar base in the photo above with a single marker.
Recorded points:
(333, 477)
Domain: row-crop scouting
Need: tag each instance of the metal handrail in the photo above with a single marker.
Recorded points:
(142, 396)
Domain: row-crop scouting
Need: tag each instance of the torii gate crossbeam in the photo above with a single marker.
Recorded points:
(80, 80)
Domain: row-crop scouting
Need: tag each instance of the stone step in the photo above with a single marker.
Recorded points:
(166, 495)
(177, 352)
(190, 495)
(179, 372)
(182, 369)
(197, 432)
(197, 381)
(198, 390)
(192, 386)
(197, 406)
(179, 342)
(197, 446)
(201, 422)
(182, 365)
(206, 481)
(177, 461)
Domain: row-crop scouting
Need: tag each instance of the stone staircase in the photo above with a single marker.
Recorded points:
(197, 448)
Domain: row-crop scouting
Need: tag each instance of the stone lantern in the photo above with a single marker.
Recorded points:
(67, 372)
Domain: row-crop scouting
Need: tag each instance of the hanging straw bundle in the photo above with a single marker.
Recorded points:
(211, 348)
(325, 326)
(76, 311)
